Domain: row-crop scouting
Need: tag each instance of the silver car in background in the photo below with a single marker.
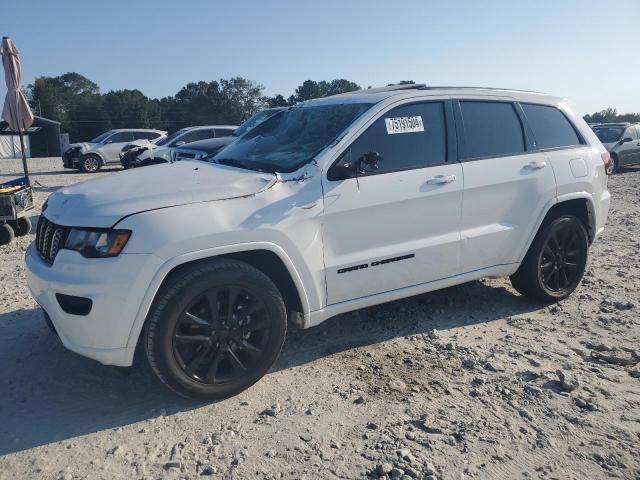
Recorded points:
(105, 148)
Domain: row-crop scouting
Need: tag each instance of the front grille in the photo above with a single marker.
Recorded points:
(49, 239)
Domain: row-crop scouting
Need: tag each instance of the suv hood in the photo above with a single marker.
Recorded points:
(102, 202)
(84, 146)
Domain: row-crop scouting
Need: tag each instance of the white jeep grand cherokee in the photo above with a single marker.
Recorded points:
(332, 205)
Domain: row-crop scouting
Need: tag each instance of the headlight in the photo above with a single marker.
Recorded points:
(96, 243)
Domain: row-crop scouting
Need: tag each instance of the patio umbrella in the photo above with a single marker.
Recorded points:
(16, 111)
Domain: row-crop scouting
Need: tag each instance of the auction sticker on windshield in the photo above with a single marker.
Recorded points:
(404, 124)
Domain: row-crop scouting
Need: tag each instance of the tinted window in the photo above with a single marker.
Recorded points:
(223, 132)
(551, 128)
(609, 134)
(121, 137)
(411, 136)
(491, 129)
(195, 135)
(146, 135)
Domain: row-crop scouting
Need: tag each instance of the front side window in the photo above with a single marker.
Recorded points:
(491, 129)
(631, 133)
(551, 129)
(406, 137)
(171, 138)
(121, 137)
(195, 135)
(224, 132)
(100, 138)
(291, 138)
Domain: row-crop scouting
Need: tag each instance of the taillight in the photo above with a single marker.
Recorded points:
(606, 159)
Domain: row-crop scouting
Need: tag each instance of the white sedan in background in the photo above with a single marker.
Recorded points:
(163, 149)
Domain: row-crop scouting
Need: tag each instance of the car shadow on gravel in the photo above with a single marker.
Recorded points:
(50, 394)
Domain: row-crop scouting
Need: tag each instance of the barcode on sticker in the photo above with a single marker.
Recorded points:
(404, 125)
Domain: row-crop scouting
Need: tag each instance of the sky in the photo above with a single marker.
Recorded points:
(586, 51)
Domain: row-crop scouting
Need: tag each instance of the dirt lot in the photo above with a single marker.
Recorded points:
(456, 384)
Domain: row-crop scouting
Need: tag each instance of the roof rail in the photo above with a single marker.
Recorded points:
(453, 87)
(391, 88)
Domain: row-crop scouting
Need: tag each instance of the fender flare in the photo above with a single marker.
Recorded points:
(549, 205)
(172, 263)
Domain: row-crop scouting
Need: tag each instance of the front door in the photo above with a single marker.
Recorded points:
(113, 146)
(633, 154)
(506, 185)
(398, 225)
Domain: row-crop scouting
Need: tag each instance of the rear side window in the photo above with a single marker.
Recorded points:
(406, 137)
(146, 135)
(491, 129)
(551, 129)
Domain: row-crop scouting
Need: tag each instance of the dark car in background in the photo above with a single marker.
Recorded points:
(622, 140)
(207, 148)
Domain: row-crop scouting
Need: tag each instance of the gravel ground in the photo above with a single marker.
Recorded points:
(470, 382)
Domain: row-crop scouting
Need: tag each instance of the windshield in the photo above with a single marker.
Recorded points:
(291, 138)
(100, 137)
(170, 138)
(609, 134)
(253, 122)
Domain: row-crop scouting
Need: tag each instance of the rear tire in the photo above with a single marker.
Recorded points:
(6, 234)
(555, 263)
(215, 330)
(21, 227)
(90, 163)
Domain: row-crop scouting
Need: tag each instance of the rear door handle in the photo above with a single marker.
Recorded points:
(441, 179)
(535, 165)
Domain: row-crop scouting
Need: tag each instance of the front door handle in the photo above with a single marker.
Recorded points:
(535, 165)
(441, 179)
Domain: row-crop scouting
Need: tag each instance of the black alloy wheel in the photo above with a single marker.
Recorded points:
(556, 260)
(221, 335)
(215, 329)
(563, 258)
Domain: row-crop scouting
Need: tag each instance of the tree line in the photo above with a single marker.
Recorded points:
(611, 115)
(84, 112)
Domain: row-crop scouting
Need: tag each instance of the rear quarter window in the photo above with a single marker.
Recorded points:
(491, 129)
(551, 129)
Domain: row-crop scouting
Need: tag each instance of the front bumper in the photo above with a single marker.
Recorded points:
(115, 286)
(71, 158)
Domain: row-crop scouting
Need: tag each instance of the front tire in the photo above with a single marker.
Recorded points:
(555, 263)
(6, 234)
(90, 163)
(215, 330)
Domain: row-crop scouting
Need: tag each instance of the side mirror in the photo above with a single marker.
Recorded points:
(369, 162)
(179, 143)
(626, 140)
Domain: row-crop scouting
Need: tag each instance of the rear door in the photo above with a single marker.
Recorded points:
(506, 182)
(396, 226)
